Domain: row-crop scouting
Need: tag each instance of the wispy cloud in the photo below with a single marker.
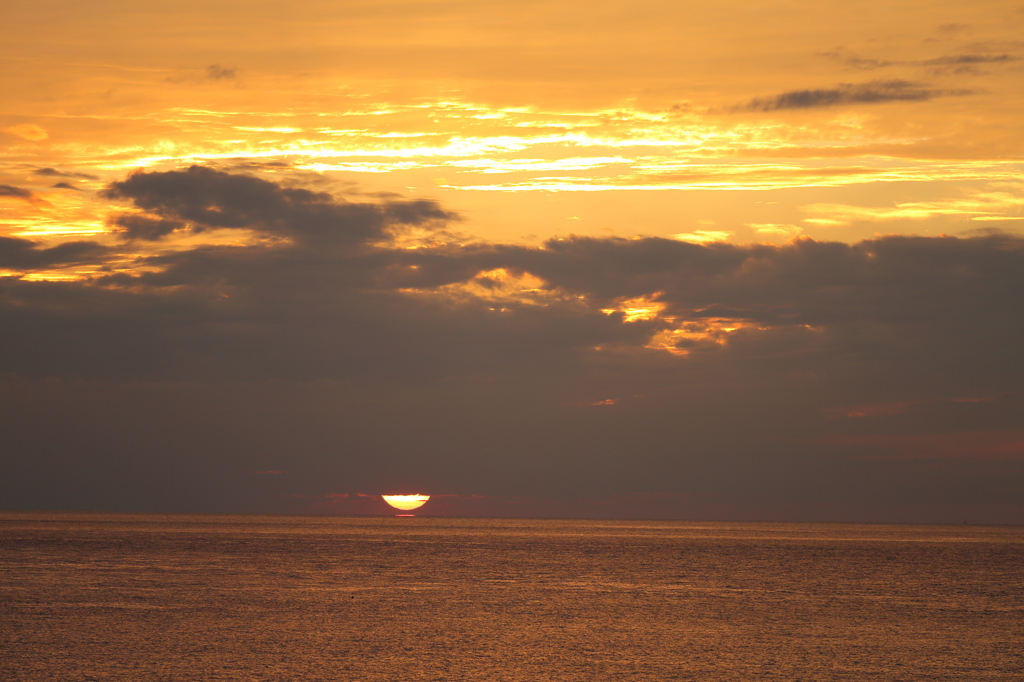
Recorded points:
(28, 131)
(962, 59)
(16, 192)
(217, 72)
(875, 92)
(54, 173)
(959, 63)
(978, 206)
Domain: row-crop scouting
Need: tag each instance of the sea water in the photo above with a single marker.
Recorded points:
(189, 598)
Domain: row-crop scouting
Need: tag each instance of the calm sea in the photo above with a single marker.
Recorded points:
(175, 597)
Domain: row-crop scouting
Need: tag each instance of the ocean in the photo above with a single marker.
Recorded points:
(208, 597)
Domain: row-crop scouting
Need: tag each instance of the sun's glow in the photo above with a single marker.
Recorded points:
(498, 286)
(406, 502)
(702, 236)
(695, 335)
(639, 308)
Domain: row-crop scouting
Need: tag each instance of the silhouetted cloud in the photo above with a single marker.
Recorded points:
(330, 271)
(963, 59)
(53, 172)
(856, 63)
(965, 64)
(65, 185)
(146, 228)
(875, 92)
(331, 296)
(215, 199)
(17, 192)
(961, 63)
(251, 165)
(325, 348)
(27, 255)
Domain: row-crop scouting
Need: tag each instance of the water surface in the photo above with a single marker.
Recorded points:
(178, 597)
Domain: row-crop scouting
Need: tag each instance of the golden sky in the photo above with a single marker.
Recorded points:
(740, 121)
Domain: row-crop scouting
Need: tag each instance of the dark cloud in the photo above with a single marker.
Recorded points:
(964, 59)
(816, 372)
(856, 63)
(875, 92)
(909, 291)
(17, 192)
(26, 255)
(256, 165)
(64, 185)
(330, 271)
(216, 199)
(301, 308)
(217, 72)
(963, 63)
(54, 173)
(146, 228)
(966, 63)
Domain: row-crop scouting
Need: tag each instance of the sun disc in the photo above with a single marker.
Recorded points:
(406, 502)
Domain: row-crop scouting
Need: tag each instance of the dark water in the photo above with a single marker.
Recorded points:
(154, 597)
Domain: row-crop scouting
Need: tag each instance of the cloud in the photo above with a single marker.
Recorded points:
(965, 64)
(703, 236)
(962, 63)
(16, 192)
(875, 92)
(28, 131)
(217, 72)
(857, 63)
(215, 199)
(244, 165)
(983, 205)
(320, 345)
(140, 226)
(775, 229)
(22, 194)
(322, 290)
(966, 59)
(952, 29)
(54, 173)
(27, 255)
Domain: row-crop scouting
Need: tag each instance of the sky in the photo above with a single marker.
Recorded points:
(648, 259)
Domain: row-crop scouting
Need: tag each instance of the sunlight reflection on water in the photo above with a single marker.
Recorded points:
(174, 597)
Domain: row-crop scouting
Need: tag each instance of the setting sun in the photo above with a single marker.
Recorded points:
(406, 502)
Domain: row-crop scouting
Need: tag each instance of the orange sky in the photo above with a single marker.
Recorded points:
(746, 121)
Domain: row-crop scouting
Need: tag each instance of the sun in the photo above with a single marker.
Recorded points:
(406, 502)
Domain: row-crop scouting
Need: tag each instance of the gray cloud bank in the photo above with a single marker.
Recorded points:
(821, 380)
(26, 255)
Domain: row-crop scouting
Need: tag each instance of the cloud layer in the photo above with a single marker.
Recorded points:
(357, 345)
